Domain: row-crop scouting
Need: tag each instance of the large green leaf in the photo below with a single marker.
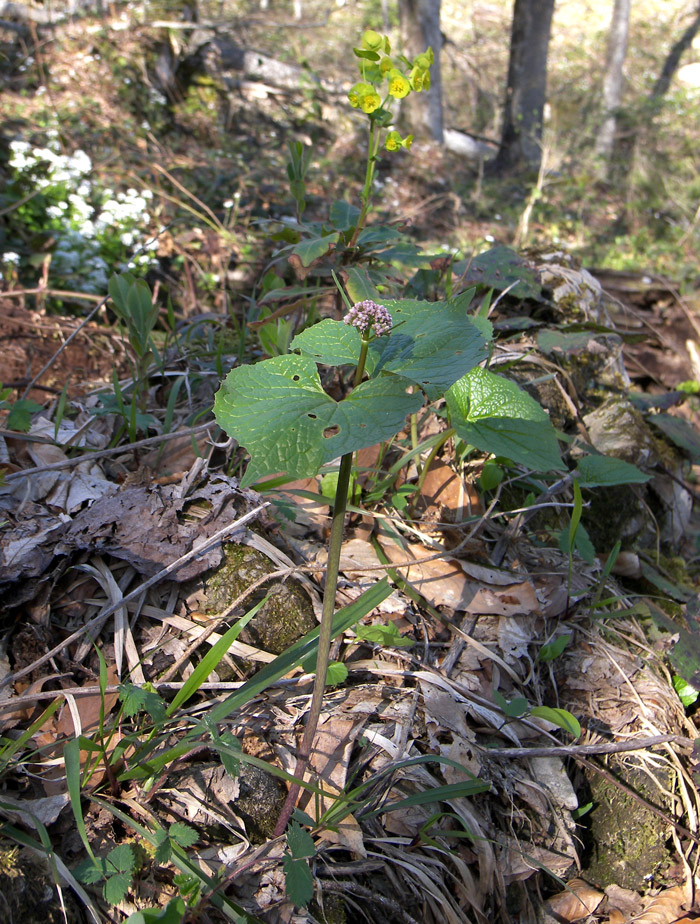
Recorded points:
(497, 416)
(681, 432)
(331, 342)
(359, 286)
(343, 215)
(433, 344)
(605, 471)
(279, 412)
(499, 268)
(316, 247)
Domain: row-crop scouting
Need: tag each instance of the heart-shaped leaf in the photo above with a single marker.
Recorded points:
(433, 344)
(279, 412)
(497, 416)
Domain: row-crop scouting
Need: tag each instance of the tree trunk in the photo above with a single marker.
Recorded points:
(521, 140)
(421, 113)
(673, 59)
(612, 84)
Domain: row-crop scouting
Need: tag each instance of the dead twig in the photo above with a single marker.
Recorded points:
(105, 453)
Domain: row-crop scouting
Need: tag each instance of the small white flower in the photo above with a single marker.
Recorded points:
(11, 257)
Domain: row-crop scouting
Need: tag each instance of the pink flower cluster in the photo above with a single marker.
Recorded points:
(367, 315)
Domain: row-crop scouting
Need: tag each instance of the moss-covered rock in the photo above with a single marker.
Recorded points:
(28, 893)
(628, 841)
(286, 616)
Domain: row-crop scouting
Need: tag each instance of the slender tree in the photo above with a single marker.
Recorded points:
(421, 115)
(612, 83)
(526, 91)
(673, 59)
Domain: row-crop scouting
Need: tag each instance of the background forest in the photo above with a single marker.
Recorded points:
(153, 95)
(483, 488)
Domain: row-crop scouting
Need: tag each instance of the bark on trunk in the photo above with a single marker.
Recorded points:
(612, 84)
(674, 59)
(527, 86)
(421, 113)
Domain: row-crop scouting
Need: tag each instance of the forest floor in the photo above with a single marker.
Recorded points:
(128, 730)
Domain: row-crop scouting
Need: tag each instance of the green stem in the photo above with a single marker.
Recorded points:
(366, 196)
(326, 632)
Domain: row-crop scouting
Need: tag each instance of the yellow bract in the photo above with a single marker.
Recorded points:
(394, 141)
(363, 96)
(399, 87)
(370, 102)
(372, 40)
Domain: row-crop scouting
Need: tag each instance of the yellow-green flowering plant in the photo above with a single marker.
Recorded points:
(384, 79)
(369, 259)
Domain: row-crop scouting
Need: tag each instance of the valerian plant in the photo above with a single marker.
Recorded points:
(402, 352)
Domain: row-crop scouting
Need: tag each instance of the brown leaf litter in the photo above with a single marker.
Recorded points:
(478, 598)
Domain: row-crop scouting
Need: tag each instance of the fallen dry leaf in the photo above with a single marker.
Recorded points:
(623, 902)
(446, 496)
(145, 526)
(88, 710)
(44, 810)
(329, 761)
(577, 901)
(615, 917)
(444, 582)
(665, 908)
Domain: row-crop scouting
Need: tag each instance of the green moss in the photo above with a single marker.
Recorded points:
(259, 802)
(28, 891)
(331, 911)
(629, 842)
(285, 617)
(612, 514)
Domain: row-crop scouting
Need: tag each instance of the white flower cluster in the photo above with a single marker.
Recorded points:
(367, 315)
(84, 232)
(63, 168)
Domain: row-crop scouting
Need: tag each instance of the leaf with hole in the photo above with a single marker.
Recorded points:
(278, 411)
(333, 343)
